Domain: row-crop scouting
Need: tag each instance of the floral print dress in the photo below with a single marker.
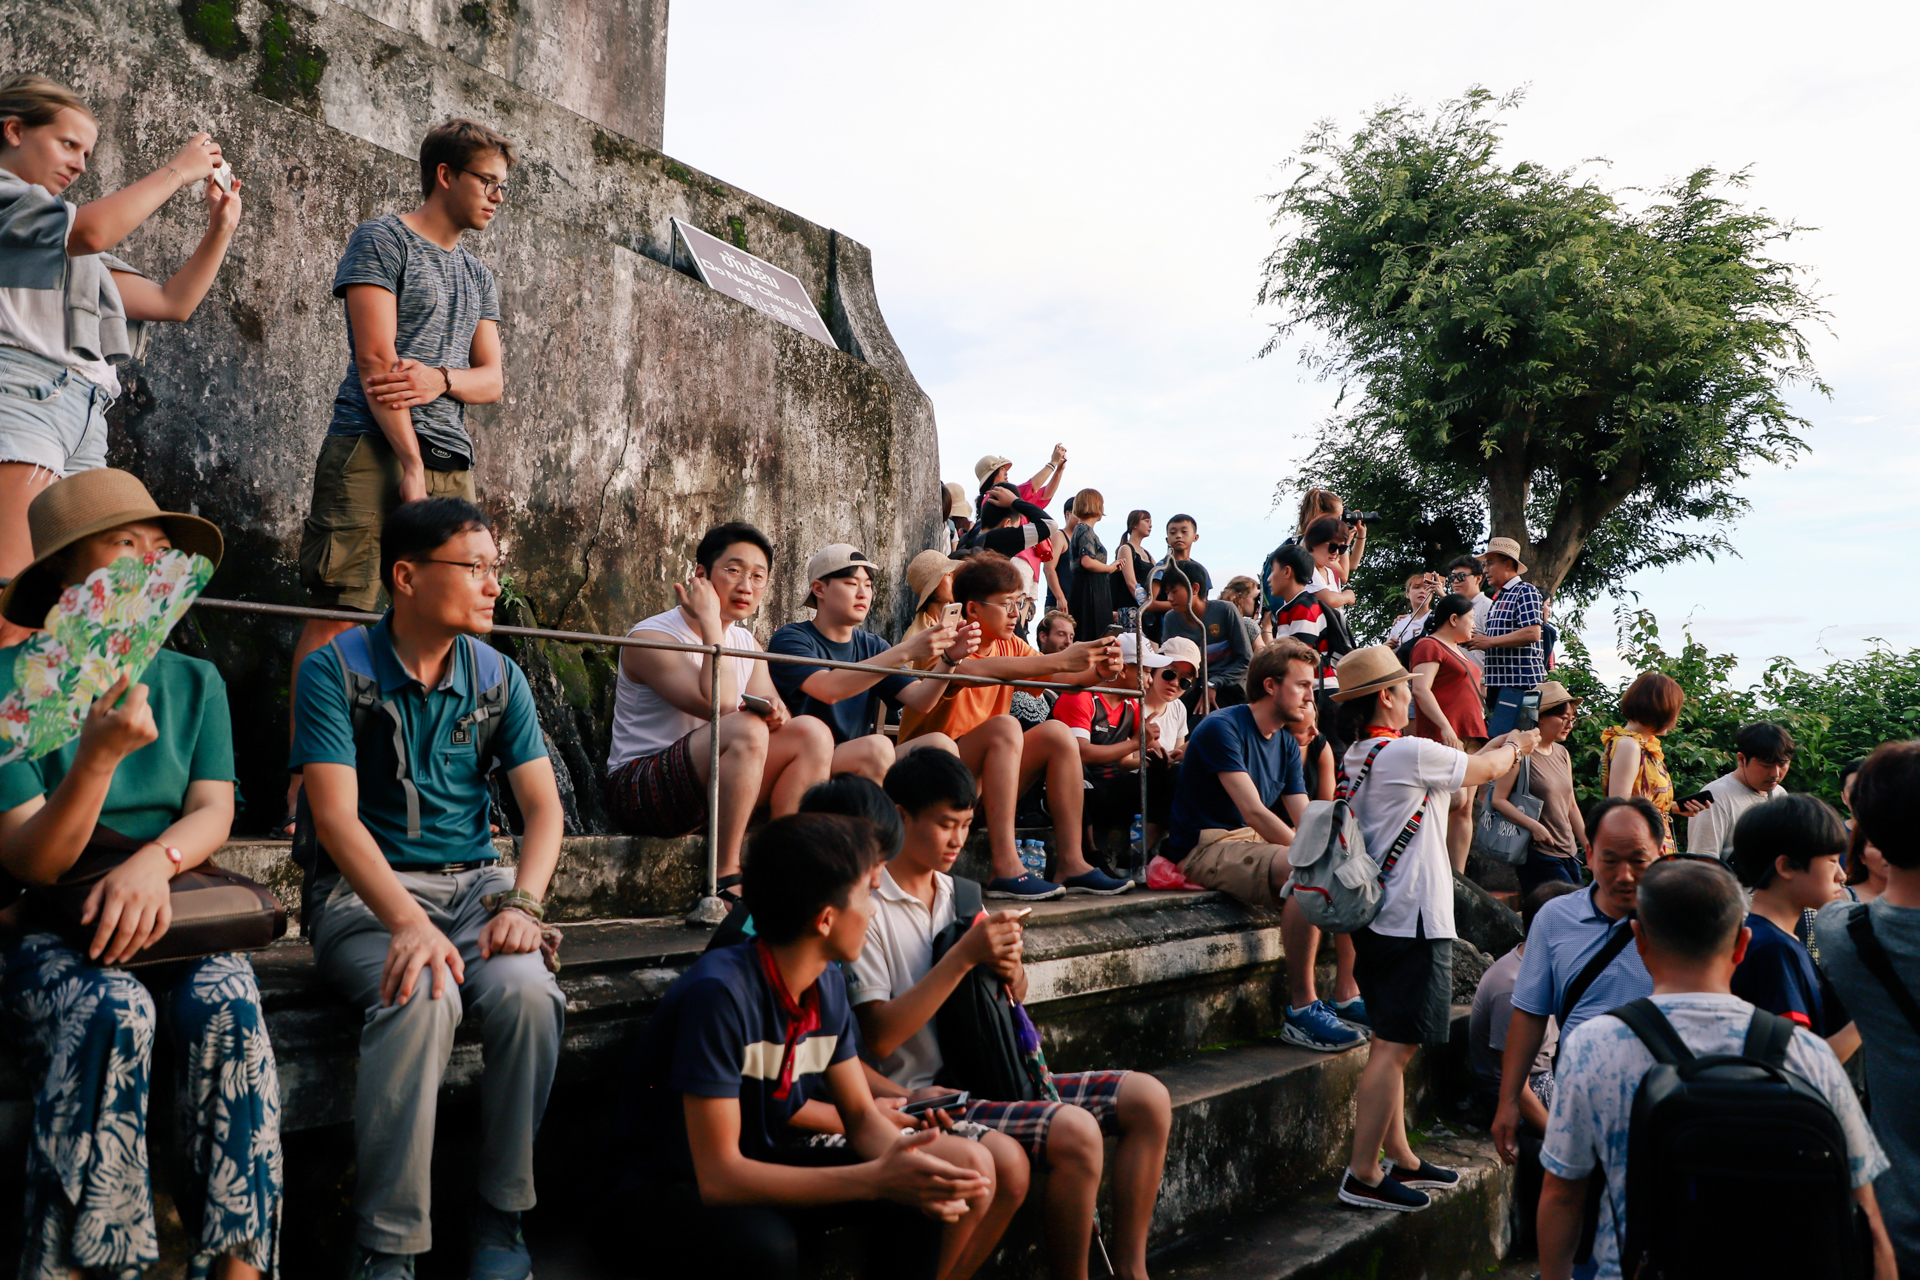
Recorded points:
(1651, 783)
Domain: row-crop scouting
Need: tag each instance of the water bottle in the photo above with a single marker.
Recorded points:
(1135, 833)
(1033, 856)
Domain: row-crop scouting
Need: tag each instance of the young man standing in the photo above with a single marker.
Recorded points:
(897, 988)
(1301, 617)
(1182, 532)
(411, 920)
(1005, 759)
(1763, 753)
(1241, 790)
(711, 1177)
(657, 766)
(1217, 629)
(1688, 933)
(1787, 855)
(423, 332)
(849, 703)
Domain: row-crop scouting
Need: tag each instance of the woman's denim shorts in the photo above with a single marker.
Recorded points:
(50, 416)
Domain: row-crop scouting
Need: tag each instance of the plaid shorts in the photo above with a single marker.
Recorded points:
(659, 795)
(1027, 1123)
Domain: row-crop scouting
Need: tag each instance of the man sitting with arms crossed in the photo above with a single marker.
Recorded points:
(1241, 790)
(840, 593)
(657, 767)
(1561, 974)
(897, 988)
(710, 1177)
(410, 918)
(1006, 760)
(1763, 753)
(1688, 933)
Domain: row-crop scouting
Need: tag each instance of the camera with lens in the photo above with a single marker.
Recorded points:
(1356, 517)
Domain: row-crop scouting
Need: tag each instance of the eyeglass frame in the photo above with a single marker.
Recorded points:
(476, 568)
(488, 187)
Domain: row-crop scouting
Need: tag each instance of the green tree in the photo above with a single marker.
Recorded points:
(1520, 350)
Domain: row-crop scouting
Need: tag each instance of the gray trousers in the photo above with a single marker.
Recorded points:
(404, 1051)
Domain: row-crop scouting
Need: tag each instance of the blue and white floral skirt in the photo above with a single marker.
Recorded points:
(85, 1034)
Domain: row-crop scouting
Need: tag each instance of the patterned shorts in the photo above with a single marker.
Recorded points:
(1027, 1123)
(659, 795)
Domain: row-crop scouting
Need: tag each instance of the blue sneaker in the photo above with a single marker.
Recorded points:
(1354, 1011)
(1026, 888)
(1097, 881)
(1315, 1027)
(371, 1264)
(499, 1250)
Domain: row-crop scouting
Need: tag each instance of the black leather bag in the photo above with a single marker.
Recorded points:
(214, 910)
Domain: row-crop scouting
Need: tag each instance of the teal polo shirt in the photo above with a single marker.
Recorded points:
(450, 776)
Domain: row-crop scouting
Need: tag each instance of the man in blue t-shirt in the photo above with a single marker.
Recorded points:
(709, 1175)
(1787, 854)
(411, 919)
(840, 593)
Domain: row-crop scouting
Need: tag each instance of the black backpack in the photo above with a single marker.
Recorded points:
(979, 1039)
(1717, 1145)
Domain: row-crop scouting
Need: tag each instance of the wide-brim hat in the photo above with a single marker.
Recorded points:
(988, 465)
(924, 574)
(1368, 670)
(83, 504)
(835, 557)
(1505, 547)
(1553, 693)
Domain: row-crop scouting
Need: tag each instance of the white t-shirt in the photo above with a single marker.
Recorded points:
(1419, 892)
(1171, 724)
(1482, 606)
(645, 723)
(1406, 627)
(1711, 830)
(898, 953)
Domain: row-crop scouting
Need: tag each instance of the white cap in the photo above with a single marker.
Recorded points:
(1153, 659)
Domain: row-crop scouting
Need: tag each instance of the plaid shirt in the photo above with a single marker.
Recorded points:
(1518, 605)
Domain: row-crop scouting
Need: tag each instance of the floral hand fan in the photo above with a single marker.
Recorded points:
(109, 626)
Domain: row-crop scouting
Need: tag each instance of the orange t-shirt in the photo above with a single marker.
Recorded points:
(965, 707)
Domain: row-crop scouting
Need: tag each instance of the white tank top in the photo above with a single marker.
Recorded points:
(644, 722)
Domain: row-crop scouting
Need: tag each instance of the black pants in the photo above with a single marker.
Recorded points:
(663, 1232)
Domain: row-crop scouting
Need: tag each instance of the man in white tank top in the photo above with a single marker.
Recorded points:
(658, 767)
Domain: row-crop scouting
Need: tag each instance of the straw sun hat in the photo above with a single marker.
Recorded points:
(86, 503)
(1368, 670)
(924, 573)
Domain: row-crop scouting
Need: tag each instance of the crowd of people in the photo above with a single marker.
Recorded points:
(781, 1084)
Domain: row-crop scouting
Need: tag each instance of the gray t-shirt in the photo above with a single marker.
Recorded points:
(1492, 1015)
(1892, 1047)
(440, 298)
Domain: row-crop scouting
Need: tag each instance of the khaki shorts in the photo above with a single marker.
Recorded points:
(1238, 862)
(356, 485)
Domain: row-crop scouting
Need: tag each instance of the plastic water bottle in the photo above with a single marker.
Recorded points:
(1135, 833)
(1033, 856)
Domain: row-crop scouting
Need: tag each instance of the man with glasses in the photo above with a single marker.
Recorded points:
(411, 918)
(423, 334)
(1464, 576)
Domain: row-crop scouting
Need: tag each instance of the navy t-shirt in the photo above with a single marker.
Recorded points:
(1779, 976)
(1230, 741)
(849, 718)
(720, 1033)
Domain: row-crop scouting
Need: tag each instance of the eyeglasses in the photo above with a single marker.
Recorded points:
(494, 190)
(1459, 575)
(735, 573)
(476, 569)
(1167, 674)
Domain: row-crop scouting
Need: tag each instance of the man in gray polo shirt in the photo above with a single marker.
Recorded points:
(1567, 934)
(1762, 755)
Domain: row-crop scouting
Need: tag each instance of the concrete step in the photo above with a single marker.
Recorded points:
(1315, 1237)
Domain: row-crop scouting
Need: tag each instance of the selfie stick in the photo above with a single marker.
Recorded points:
(710, 910)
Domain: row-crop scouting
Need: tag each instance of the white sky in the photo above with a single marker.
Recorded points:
(1066, 207)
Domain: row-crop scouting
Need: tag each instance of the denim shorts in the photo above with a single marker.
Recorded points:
(50, 416)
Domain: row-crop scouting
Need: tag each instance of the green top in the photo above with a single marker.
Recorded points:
(189, 701)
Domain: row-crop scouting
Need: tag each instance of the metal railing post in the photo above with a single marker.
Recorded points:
(711, 910)
(1141, 678)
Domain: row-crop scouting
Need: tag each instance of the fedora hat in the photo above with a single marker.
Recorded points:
(924, 573)
(1368, 670)
(1553, 693)
(1505, 547)
(988, 465)
(86, 503)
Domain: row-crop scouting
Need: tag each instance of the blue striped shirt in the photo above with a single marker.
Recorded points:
(1565, 935)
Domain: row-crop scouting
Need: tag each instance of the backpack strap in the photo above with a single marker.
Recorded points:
(1644, 1019)
(1880, 965)
(489, 697)
(967, 900)
(1609, 950)
(1348, 788)
(354, 649)
(1405, 838)
(1768, 1036)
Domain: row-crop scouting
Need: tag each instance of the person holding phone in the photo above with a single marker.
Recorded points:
(1763, 753)
(1559, 835)
(1090, 599)
(1447, 698)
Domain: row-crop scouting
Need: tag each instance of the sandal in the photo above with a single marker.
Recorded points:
(726, 889)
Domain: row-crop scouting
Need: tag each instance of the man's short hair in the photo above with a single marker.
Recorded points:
(1322, 532)
(986, 573)
(423, 526)
(714, 543)
(1690, 908)
(1297, 561)
(1539, 896)
(1640, 805)
(803, 862)
(1798, 828)
(1176, 519)
(1653, 700)
(455, 144)
(1271, 664)
(1886, 802)
(1052, 616)
(853, 796)
(1470, 563)
(927, 777)
(1766, 742)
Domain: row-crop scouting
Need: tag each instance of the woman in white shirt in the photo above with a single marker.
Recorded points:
(1404, 959)
(1421, 588)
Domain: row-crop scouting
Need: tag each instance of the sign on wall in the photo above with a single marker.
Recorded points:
(754, 281)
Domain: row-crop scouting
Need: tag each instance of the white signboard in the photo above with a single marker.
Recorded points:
(754, 281)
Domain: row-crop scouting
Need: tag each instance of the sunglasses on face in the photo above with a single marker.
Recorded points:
(1458, 577)
(1168, 674)
(1338, 548)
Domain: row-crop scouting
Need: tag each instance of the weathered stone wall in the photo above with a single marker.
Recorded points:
(640, 407)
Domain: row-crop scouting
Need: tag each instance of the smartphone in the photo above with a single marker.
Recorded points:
(1528, 716)
(1704, 797)
(950, 616)
(945, 1102)
(755, 703)
(1113, 629)
(224, 176)
(1021, 914)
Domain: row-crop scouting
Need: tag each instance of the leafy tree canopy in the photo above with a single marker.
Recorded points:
(1519, 350)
